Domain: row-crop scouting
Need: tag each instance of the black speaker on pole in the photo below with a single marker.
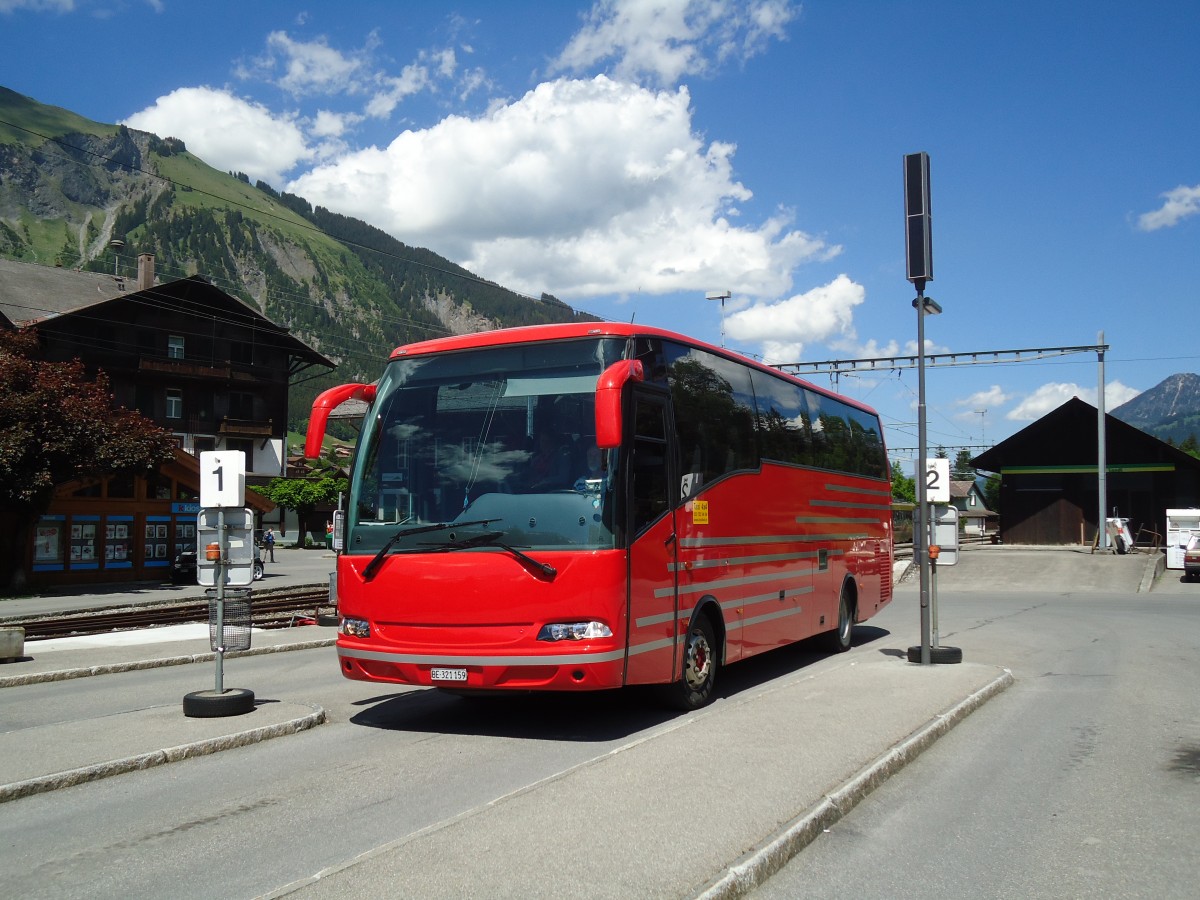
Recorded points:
(918, 221)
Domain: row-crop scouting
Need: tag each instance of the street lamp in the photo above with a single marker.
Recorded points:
(722, 296)
(117, 246)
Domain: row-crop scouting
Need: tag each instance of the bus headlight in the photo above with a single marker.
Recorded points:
(574, 631)
(359, 628)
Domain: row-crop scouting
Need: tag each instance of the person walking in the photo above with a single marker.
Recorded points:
(269, 540)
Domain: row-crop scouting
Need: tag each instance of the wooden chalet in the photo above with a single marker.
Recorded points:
(190, 357)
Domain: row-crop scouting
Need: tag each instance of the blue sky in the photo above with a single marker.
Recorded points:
(630, 156)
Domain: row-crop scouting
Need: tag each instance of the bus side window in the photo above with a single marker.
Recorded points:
(650, 494)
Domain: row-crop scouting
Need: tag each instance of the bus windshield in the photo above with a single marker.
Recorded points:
(500, 439)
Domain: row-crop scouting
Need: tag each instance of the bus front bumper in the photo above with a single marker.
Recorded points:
(582, 669)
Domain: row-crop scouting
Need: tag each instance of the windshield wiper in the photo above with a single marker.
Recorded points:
(492, 539)
(373, 566)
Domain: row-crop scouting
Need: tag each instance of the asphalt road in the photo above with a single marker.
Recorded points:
(389, 763)
(1085, 747)
(1081, 780)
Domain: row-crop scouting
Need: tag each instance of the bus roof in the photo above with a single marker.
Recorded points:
(567, 331)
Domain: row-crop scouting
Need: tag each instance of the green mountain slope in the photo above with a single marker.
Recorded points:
(70, 187)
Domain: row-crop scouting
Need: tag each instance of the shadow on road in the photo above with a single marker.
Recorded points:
(588, 716)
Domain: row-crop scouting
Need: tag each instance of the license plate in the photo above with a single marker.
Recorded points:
(448, 674)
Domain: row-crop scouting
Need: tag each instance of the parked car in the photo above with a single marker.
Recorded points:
(183, 570)
(1191, 561)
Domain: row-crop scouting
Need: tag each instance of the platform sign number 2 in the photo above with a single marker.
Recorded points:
(222, 478)
(937, 481)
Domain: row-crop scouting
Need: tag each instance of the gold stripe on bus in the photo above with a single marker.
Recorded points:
(651, 646)
(857, 490)
(660, 618)
(702, 586)
(740, 560)
(696, 543)
(838, 520)
(842, 504)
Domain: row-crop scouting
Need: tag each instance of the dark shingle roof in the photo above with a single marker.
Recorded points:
(30, 294)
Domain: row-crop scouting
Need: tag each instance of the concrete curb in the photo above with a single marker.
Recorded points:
(135, 665)
(154, 758)
(1156, 567)
(757, 866)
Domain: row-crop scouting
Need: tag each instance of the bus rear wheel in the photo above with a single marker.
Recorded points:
(839, 640)
(695, 685)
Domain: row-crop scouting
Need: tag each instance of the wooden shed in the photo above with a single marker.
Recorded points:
(1049, 487)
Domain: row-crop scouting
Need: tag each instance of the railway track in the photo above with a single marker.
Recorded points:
(275, 610)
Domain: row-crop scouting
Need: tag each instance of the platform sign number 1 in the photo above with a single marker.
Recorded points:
(937, 481)
(222, 478)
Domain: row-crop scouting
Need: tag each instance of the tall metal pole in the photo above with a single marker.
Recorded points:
(920, 527)
(1101, 454)
(222, 544)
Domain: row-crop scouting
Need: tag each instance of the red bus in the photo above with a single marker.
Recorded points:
(587, 506)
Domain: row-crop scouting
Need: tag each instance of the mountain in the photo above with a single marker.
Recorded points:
(1170, 410)
(71, 187)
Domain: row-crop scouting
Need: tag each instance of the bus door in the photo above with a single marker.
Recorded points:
(652, 599)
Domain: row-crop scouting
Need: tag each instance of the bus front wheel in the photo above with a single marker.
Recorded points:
(695, 685)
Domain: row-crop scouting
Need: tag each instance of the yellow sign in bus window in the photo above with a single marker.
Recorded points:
(699, 512)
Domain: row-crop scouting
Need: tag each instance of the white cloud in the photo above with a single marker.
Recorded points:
(329, 124)
(311, 67)
(1116, 393)
(784, 327)
(991, 398)
(314, 68)
(1178, 204)
(412, 79)
(59, 6)
(227, 132)
(663, 41)
(1053, 395)
(578, 188)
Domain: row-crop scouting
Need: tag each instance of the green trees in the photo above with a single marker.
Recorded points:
(961, 469)
(56, 425)
(303, 495)
(904, 488)
(991, 492)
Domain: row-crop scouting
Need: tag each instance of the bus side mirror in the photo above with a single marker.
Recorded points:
(326, 403)
(611, 383)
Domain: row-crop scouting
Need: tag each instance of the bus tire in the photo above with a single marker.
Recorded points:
(699, 673)
(840, 639)
(937, 655)
(211, 705)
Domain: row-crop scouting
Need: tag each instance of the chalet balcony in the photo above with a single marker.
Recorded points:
(251, 428)
(224, 370)
(184, 368)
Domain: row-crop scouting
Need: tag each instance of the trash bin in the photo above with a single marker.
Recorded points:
(235, 625)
